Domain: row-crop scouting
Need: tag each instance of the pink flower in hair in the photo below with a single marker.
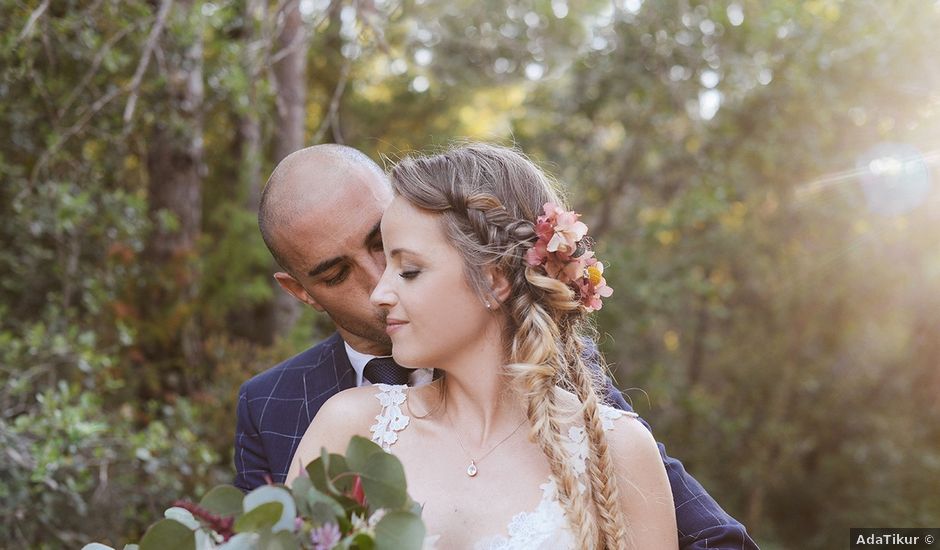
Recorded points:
(566, 229)
(559, 250)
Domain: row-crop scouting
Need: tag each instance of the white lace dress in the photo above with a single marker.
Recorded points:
(545, 527)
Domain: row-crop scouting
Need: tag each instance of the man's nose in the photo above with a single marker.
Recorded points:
(375, 267)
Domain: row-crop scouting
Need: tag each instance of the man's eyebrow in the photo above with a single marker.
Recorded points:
(325, 265)
(376, 232)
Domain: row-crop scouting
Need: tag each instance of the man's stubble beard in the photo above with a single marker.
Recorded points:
(373, 332)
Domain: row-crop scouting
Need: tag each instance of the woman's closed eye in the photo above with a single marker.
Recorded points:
(410, 274)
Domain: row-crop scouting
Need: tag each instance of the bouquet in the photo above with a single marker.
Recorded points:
(354, 502)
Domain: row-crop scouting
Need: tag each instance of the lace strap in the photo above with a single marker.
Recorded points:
(577, 444)
(390, 419)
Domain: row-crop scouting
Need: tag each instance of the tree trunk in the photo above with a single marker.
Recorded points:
(175, 166)
(290, 83)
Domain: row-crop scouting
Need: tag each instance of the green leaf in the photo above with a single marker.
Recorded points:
(273, 493)
(383, 480)
(316, 499)
(282, 540)
(299, 491)
(358, 452)
(327, 468)
(224, 500)
(399, 531)
(361, 541)
(168, 533)
(262, 517)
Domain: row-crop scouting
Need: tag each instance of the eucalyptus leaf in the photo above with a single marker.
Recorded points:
(399, 531)
(263, 516)
(327, 468)
(358, 452)
(168, 533)
(283, 540)
(224, 500)
(273, 493)
(383, 479)
(362, 541)
(299, 491)
(242, 541)
(183, 516)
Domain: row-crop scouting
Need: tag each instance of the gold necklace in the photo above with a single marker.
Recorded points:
(472, 469)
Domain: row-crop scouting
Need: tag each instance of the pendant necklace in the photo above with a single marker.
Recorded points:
(472, 469)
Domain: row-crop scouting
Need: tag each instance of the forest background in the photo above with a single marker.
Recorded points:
(758, 174)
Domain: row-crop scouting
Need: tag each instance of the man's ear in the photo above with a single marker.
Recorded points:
(295, 289)
(499, 284)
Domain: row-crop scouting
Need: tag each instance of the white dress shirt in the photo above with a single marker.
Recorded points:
(358, 360)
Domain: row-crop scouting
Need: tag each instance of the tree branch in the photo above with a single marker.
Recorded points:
(31, 22)
(145, 59)
(331, 120)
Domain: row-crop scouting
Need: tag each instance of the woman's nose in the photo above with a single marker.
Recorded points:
(382, 295)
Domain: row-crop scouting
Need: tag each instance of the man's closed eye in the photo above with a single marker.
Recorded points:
(337, 279)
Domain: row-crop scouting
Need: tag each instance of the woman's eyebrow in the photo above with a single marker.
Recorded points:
(399, 251)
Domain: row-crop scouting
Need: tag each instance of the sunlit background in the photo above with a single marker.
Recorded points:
(761, 177)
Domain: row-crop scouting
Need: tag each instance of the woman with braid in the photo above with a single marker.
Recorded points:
(489, 281)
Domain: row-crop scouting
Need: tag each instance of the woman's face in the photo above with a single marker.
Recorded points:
(434, 317)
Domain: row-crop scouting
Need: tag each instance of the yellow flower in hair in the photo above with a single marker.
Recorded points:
(596, 273)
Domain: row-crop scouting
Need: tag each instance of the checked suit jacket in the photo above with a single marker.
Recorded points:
(276, 406)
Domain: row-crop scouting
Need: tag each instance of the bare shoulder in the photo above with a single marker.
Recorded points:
(645, 493)
(355, 408)
(348, 413)
(633, 448)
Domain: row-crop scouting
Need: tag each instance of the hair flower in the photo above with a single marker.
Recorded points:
(563, 253)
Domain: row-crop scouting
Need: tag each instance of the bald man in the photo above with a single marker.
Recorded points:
(319, 217)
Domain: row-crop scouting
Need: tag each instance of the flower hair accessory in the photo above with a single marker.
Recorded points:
(562, 251)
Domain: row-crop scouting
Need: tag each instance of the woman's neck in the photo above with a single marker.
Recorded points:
(479, 399)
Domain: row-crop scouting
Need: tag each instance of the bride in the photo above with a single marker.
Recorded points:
(489, 281)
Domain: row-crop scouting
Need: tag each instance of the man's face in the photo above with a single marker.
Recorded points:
(336, 258)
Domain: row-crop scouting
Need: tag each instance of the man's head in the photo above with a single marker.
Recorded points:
(319, 217)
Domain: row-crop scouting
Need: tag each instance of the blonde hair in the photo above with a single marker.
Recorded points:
(488, 198)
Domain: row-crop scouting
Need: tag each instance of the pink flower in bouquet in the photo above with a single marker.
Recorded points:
(325, 537)
(358, 493)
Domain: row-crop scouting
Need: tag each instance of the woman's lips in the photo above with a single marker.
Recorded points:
(393, 325)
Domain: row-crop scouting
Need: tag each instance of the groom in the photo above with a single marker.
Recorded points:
(319, 217)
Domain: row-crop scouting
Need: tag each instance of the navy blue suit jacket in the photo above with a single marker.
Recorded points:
(276, 406)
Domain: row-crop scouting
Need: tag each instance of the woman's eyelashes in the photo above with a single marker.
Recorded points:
(409, 273)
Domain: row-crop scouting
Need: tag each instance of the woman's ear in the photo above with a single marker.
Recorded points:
(499, 284)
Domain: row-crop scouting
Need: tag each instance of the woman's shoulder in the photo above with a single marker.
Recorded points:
(362, 403)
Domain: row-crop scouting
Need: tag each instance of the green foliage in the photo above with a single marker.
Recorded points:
(757, 300)
(333, 499)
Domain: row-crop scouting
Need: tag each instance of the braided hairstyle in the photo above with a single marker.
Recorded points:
(489, 198)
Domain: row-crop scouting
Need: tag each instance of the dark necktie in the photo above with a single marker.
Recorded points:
(384, 370)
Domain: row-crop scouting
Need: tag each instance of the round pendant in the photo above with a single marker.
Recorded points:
(472, 469)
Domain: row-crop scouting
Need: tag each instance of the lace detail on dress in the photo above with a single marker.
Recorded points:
(543, 528)
(546, 527)
(390, 420)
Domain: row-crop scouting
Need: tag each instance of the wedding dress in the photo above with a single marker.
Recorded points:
(545, 527)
